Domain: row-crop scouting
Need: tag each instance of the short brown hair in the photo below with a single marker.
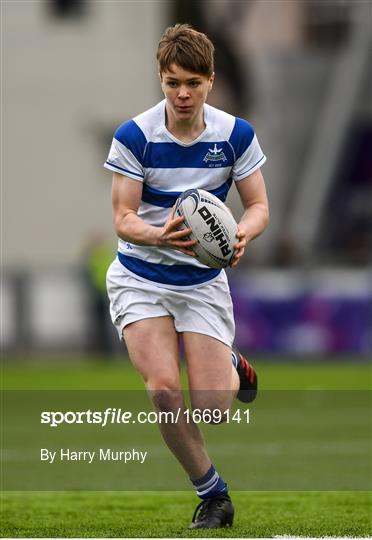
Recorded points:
(187, 48)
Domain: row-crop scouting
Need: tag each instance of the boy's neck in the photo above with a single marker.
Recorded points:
(187, 130)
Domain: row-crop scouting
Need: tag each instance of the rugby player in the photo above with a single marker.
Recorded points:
(159, 292)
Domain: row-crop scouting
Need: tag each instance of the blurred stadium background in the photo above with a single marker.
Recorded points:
(300, 71)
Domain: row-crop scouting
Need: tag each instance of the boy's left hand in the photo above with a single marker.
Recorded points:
(239, 247)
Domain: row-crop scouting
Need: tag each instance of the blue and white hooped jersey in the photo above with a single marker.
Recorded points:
(144, 150)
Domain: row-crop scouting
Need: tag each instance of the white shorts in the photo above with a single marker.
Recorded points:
(207, 309)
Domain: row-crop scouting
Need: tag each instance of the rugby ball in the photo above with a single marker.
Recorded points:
(212, 225)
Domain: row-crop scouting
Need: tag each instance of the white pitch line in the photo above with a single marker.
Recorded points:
(289, 537)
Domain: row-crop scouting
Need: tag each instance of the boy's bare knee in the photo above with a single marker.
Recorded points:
(166, 397)
(211, 410)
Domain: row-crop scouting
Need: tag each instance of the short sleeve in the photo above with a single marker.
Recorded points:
(248, 154)
(127, 151)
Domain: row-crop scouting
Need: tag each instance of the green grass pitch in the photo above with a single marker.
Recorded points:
(167, 514)
(149, 514)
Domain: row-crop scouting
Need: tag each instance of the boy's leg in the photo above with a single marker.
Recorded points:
(153, 348)
(213, 383)
(213, 380)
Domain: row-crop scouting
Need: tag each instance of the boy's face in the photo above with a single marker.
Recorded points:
(185, 91)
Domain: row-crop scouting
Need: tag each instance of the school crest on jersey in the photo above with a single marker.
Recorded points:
(214, 154)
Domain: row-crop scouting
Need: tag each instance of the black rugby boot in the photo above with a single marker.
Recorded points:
(213, 513)
(248, 379)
